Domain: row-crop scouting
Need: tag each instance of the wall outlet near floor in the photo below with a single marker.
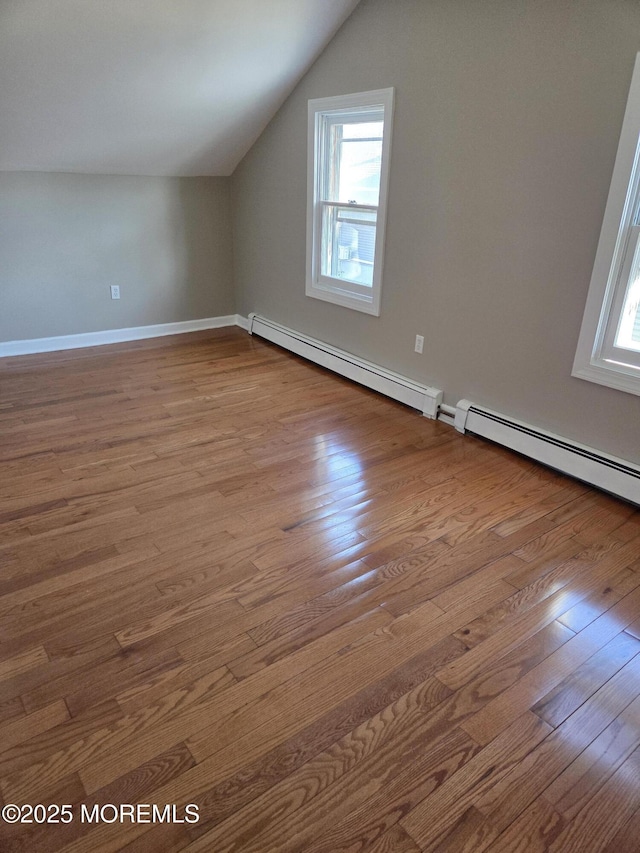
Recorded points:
(419, 343)
(115, 291)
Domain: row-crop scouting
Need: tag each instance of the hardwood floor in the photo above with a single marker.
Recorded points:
(233, 580)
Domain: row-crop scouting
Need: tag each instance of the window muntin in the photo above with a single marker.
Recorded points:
(349, 141)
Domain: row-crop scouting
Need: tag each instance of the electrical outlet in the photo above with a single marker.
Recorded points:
(419, 343)
(115, 291)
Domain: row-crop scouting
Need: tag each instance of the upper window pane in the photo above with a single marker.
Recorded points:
(359, 158)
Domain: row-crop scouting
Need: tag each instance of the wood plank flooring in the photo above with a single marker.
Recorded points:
(231, 579)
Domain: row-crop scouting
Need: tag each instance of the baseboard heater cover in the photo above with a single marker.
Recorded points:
(609, 473)
(427, 400)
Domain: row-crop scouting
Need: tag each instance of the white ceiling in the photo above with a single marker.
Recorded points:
(150, 87)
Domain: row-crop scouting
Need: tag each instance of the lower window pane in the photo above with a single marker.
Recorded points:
(348, 244)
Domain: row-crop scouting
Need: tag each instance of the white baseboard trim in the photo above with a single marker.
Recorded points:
(421, 397)
(613, 475)
(116, 336)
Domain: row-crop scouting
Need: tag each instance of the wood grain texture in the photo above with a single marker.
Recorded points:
(22, 663)
(437, 814)
(231, 579)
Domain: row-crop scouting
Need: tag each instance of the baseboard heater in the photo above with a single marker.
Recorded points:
(421, 397)
(609, 473)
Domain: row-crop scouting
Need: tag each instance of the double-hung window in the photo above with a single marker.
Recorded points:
(349, 149)
(609, 345)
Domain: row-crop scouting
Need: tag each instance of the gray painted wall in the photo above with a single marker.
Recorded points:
(65, 238)
(507, 119)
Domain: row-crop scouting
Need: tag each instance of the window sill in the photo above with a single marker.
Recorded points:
(618, 376)
(368, 305)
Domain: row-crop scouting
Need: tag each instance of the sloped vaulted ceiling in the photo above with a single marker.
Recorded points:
(150, 87)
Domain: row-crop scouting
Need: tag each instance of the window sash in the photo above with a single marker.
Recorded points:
(611, 350)
(328, 257)
(331, 150)
(328, 183)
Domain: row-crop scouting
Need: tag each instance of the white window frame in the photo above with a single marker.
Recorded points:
(597, 359)
(319, 286)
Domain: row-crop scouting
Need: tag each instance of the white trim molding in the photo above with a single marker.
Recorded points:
(116, 336)
(613, 475)
(422, 397)
(330, 275)
(598, 358)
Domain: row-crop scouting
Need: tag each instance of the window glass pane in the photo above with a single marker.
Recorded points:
(628, 334)
(362, 130)
(358, 149)
(348, 244)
